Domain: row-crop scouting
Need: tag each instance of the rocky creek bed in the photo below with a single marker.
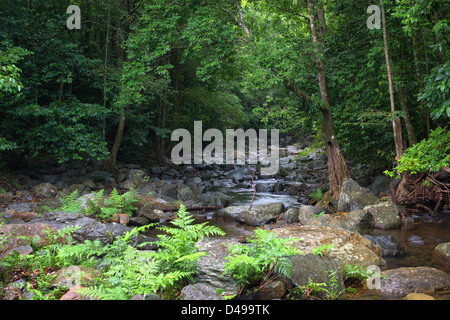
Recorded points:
(413, 252)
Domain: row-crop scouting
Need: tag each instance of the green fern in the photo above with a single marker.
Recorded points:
(132, 271)
(70, 203)
(266, 254)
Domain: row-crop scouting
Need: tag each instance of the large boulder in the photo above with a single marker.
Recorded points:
(215, 199)
(354, 197)
(356, 221)
(348, 247)
(257, 216)
(16, 235)
(318, 269)
(401, 281)
(386, 215)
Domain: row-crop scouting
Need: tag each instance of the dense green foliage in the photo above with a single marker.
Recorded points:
(162, 65)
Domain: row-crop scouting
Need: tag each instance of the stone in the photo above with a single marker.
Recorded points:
(21, 207)
(401, 281)
(291, 215)
(307, 212)
(169, 190)
(21, 250)
(415, 240)
(17, 235)
(356, 221)
(25, 216)
(215, 199)
(45, 189)
(72, 276)
(272, 290)
(241, 214)
(380, 184)
(389, 246)
(386, 215)
(199, 291)
(211, 267)
(349, 247)
(354, 197)
(153, 215)
(318, 269)
(441, 254)
(418, 296)
(72, 294)
(185, 193)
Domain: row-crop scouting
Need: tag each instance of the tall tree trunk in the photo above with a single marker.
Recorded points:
(110, 164)
(396, 123)
(337, 167)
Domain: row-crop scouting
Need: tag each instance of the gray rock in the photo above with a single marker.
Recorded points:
(186, 194)
(306, 213)
(257, 216)
(169, 190)
(386, 215)
(215, 199)
(355, 197)
(402, 281)
(21, 207)
(389, 246)
(356, 221)
(316, 269)
(380, 184)
(291, 215)
(211, 267)
(45, 189)
(199, 291)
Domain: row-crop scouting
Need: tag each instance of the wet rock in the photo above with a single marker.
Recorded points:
(386, 215)
(199, 291)
(415, 240)
(45, 189)
(354, 197)
(389, 246)
(317, 269)
(211, 267)
(406, 280)
(349, 247)
(441, 254)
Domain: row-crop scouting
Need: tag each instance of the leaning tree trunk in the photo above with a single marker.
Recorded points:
(337, 167)
(110, 164)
